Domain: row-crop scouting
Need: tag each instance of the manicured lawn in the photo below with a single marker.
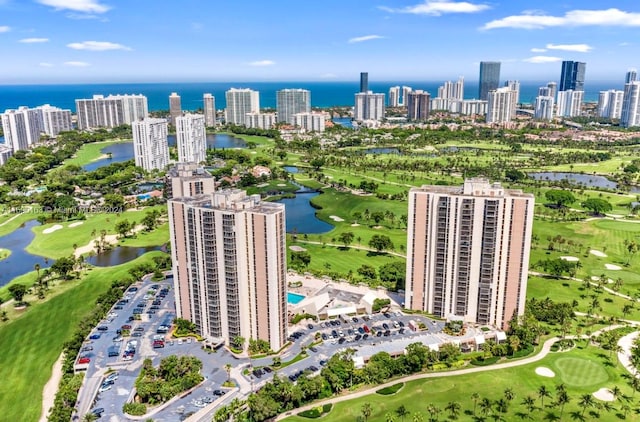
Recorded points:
(583, 371)
(90, 152)
(30, 345)
(10, 222)
(159, 236)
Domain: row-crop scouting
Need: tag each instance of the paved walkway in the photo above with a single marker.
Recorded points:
(624, 355)
(546, 348)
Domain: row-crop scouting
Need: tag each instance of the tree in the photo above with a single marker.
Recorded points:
(114, 201)
(475, 397)
(300, 259)
(542, 393)
(453, 407)
(509, 394)
(367, 271)
(377, 217)
(227, 368)
(586, 401)
(317, 163)
(346, 238)
(417, 417)
(561, 198)
(530, 403)
(402, 412)
(17, 292)
(123, 227)
(380, 242)
(562, 398)
(366, 410)
(150, 220)
(238, 342)
(393, 273)
(597, 206)
(63, 266)
(631, 247)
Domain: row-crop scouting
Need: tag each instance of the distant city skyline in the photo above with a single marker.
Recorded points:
(100, 41)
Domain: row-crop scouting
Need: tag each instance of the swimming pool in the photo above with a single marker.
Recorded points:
(294, 298)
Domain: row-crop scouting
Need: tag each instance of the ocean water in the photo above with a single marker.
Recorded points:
(323, 94)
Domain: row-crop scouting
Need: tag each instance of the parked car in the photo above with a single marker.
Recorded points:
(84, 360)
(87, 348)
(313, 349)
(102, 328)
(310, 326)
(112, 376)
(98, 411)
(94, 336)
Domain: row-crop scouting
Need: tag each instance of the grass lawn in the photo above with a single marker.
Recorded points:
(10, 222)
(60, 242)
(31, 344)
(4, 253)
(583, 371)
(159, 236)
(90, 152)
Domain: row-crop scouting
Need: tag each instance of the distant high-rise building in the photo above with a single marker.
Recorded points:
(188, 179)
(452, 90)
(5, 153)
(543, 109)
(260, 120)
(290, 102)
(610, 104)
(515, 87)
(364, 82)
(209, 107)
(229, 265)
(150, 147)
(369, 106)
(191, 138)
(175, 107)
(394, 96)
(239, 103)
(468, 251)
(310, 122)
(630, 116)
(572, 76)
(489, 78)
(418, 105)
(54, 120)
(21, 128)
(553, 89)
(111, 111)
(631, 76)
(405, 92)
(500, 105)
(569, 103)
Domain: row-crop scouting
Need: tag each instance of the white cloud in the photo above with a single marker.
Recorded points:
(85, 16)
(580, 48)
(535, 20)
(33, 40)
(538, 50)
(86, 6)
(4, 29)
(77, 64)
(364, 38)
(45, 64)
(262, 63)
(439, 7)
(542, 59)
(97, 46)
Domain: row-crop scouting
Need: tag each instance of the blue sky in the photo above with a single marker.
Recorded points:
(62, 41)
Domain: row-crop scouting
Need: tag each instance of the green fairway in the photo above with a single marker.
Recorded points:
(10, 222)
(91, 152)
(30, 345)
(587, 370)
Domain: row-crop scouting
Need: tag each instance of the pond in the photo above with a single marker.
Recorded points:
(20, 261)
(586, 180)
(381, 151)
(301, 216)
(119, 255)
(219, 140)
(291, 169)
(119, 153)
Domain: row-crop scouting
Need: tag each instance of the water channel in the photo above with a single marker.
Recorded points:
(579, 179)
(301, 216)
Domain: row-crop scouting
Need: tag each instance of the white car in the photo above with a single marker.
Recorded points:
(104, 387)
(111, 377)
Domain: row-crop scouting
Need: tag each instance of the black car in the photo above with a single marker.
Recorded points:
(98, 411)
(218, 393)
(401, 331)
(102, 328)
(310, 326)
(366, 318)
(313, 368)
(379, 334)
(401, 324)
(267, 369)
(334, 334)
(385, 326)
(131, 318)
(141, 305)
(358, 337)
(324, 336)
(117, 307)
(387, 315)
(258, 372)
(387, 333)
(313, 349)
(365, 336)
(354, 319)
(342, 340)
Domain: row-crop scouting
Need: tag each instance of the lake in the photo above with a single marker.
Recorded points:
(301, 216)
(119, 255)
(586, 180)
(218, 140)
(20, 261)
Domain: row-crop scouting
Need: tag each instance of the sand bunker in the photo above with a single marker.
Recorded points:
(52, 229)
(282, 184)
(297, 248)
(545, 372)
(570, 258)
(355, 225)
(76, 224)
(598, 253)
(612, 267)
(604, 394)
(336, 218)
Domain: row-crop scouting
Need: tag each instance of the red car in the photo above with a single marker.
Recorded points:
(83, 360)
(126, 327)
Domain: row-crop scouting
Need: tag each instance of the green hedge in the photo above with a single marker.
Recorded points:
(316, 412)
(522, 353)
(485, 362)
(135, 409)
(390, 390)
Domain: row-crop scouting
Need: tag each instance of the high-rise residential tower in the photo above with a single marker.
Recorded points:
(489, 78)
(188, 179)
(150, 147)
(175, 107)
(610, 104)
(239, 103)
(290, 102)
(394, 97)
(54, 120)
(543, 109)
(229, 265)
(369, 106)
(630, 116)
(364, 82)
(572, 76)
(21, 128)
(468, 251)
(569, 103)
(191, 138)
(500, 105)
(631, 76)
(110, 111)
(418, 105)
(209, 108)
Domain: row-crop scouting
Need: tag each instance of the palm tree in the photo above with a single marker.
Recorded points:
(530, 403)
(562, 398)
(37, 268)
(509, 394)
(475, 397)
(586, 400)
(616, 392)
(453, 407)
(388, 417)
(542, 393)
(227, 368)
(625, 409)
(635, 385)
(366, 410)
(485, 406)
(417, 417)
(434, 411)
(402, 412)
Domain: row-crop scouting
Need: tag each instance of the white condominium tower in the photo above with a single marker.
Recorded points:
(569, 103)
(260, 120)
(543, 109)
(191, 138)
(500, 105)
(290, 102)
(229, 265)
(394, 96)
(631, 105)
(452, 90)
(111, 111)
(21, 128)
(150, 147)
(468, 251)
(54, 120)
(369, 106)
(310, 122)
(610, 104)
(209, 107)
(239, 103)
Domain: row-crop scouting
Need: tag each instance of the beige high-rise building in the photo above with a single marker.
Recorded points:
(188, 179)
(175, 107)
(209, 107)
(468, 251)
(229, 265)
